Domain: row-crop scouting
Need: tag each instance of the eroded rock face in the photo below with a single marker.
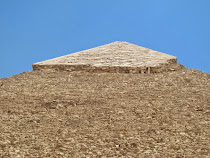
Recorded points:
(116, 57)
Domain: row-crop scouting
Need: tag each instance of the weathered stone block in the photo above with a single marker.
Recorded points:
(116, 57)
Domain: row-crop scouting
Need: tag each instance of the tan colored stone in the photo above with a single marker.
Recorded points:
(120, 57)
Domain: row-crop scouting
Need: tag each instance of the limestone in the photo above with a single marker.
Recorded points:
(116, 57)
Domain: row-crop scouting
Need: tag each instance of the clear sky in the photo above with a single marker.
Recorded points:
(37, 30)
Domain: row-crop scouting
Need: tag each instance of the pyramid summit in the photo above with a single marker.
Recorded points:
(118, 56)
(81, 114)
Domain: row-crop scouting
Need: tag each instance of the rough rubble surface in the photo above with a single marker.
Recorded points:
(79, 114)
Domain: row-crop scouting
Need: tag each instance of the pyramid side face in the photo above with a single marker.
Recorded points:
(110, 58)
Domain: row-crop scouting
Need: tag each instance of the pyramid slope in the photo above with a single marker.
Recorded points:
(79, 114)
(114, 57)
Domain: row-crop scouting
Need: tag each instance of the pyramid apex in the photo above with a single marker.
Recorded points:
(118, 56)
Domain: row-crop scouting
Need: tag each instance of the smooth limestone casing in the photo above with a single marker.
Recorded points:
(116, 57)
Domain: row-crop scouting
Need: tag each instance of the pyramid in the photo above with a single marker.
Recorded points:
(116, 57)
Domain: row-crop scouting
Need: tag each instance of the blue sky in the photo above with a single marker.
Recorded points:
(37, 30)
